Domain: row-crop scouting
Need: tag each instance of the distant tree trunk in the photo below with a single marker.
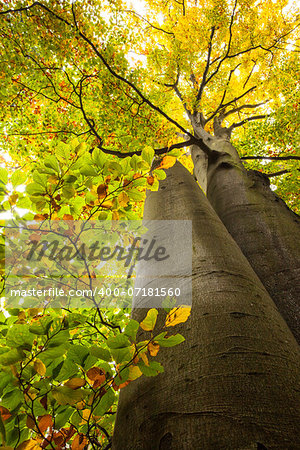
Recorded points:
(267, 232)
(233, 383)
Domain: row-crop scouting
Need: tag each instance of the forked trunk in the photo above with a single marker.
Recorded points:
(267, 232)
(233, 384)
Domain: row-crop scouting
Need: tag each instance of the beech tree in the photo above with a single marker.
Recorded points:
(98, 101)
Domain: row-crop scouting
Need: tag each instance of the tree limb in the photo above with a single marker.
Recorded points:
(272, 158)
(158, 151)
(248, 119)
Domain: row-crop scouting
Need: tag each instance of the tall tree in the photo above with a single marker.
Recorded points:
(224, 387)
(91, 93)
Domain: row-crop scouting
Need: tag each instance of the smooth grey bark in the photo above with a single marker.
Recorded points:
(234, 382)
(265, 229)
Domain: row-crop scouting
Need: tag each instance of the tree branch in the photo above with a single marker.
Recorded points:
(232, 111)
(105, 63)
(272, 158)
(158, 151)
(147, 21)
(203, 82)
(248, 119)
(277, 174)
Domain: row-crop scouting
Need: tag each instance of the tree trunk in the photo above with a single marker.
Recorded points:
(264, 228)
(233, 383)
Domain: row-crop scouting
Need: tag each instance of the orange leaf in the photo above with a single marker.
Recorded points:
(150, 180)
(45, 422)
(95, 373)
(67, 217)
(167, 161)
(79, 442)
(102, 190)
(40, 217)
(5, 414)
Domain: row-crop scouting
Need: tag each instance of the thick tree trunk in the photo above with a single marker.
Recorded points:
(265, 229)
(234, 382)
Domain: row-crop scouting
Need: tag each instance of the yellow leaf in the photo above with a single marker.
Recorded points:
(39, 367)
(107, 204)
(123, 199)
(134, 373)
(30, 444)
(75, 383)
(115, 215)
(150, 320)
(178, 315)
(86, 413)
(153, 348)
(167, 161)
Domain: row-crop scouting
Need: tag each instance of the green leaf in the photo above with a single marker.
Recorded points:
(11, 357)
(119, 341)
(78, 354)
(41, 327)
(100, 353)
(131, 329)
(148, 154)
(99, 157)
(160, 174)
(122, 354)
(35, 189)
(3, 175)
(105, 403)
(68, 191)
(135, 194)
(2, 430)
(19, 336)
(153, 369)
(18, 178)
(52, 163)
(88, 170)
(12, 399)
(58, 339)
(170, 341)
(67, 396)
(149, 322)
(134, 162)
(62, 416)
(54, 352)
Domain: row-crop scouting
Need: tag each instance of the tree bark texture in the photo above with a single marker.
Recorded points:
(234, 382)
(267, 232)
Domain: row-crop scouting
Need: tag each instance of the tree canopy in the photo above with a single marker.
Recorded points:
(91, 93)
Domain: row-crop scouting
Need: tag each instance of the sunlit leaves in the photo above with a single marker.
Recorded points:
(149, 322)
(177, 315)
